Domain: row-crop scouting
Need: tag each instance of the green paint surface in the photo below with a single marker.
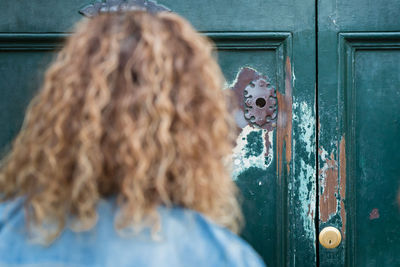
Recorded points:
(377, 157)
(254, 146)
(261, 34)
(258, 191)
(358, 100)
(20, 78)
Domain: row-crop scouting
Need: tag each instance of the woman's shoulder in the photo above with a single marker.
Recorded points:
(185, 238)
(9, 210)
(207, 240)
(188, 238)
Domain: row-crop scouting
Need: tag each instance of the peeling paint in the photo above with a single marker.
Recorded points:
(305, 121)
(306, 124)
(293, 79)
(254, 146)
(284, 125)
(327, 200)
(244, 156)
(307, 196)
(374, 214)
(332, 176)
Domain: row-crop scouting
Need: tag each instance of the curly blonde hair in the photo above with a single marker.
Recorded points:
(132, 107)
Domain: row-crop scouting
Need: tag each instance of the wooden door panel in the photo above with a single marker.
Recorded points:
(376, 172)
(254, 168)
(372, 97)
(358, 96)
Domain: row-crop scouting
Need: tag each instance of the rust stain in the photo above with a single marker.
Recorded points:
(342, 161)
(333, 182)
(374, 214)
(327, 200)
(267, 143)
(284, 127)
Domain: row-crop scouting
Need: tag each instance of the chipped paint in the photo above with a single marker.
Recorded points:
(284, 125)
(254, 146)
(305, 121)
(306, 125)
(374, 214)
(328, 175)
(307, 196)
(244, 156)
(332, 176)
(293, 79)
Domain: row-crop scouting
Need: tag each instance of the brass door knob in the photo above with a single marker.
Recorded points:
(330, 237)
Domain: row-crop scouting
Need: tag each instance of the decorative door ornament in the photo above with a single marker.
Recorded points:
(120, 6)
(256, 99)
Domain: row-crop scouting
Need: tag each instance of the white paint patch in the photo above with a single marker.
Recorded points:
(324, 158)
(240, 156)
(333, 18)
(290, 185)
(293, 78)
(227, 86)
(323, 154)
(304, 116)
(307, 196)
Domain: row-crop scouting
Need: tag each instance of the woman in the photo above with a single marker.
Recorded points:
(123, 156)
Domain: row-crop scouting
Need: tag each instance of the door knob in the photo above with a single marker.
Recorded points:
(330, 237)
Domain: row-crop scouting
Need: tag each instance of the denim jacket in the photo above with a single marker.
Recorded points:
(186, 238)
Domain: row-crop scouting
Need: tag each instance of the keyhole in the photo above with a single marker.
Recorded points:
(260, 102)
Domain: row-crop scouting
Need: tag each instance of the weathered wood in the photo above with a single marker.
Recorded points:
(358, 96)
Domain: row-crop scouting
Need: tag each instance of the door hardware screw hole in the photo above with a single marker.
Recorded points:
(260, 102)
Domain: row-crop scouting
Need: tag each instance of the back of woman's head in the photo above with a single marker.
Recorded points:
(131, 107)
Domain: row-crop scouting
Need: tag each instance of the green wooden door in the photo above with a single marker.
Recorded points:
(290, 191)
(359, 130)
(274, 168)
